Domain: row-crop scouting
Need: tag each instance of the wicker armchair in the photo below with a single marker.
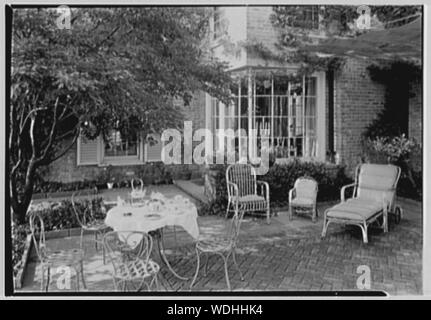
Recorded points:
(129, 253)
(88, 221)
(223, 245)
(374, 192)
(303, 197)
(245, 191)
(54, 259)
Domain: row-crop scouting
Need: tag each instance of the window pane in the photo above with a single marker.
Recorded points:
(117, 145)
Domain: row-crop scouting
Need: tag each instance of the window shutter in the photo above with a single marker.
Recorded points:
(154, 152)
(88, 151)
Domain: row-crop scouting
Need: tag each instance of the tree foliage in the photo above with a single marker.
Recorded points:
(114, 68)
(333, 20)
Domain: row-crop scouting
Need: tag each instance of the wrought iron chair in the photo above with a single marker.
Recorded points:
(374, 192)
(303, 197)
(138, 192)
(223, 245)
(86, 216)
(129, 253)
(245, 191)
(54, 259)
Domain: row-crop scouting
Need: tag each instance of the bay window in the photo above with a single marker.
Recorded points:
(289, 111)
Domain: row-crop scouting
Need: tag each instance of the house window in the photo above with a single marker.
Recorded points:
(282, 109)
(119, 145)
(220, 23)
(306, 17)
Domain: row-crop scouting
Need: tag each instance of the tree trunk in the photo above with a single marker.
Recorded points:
(20, 204)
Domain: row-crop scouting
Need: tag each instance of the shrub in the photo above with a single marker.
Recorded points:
(54, 186)
(398, 151)
(281, 178)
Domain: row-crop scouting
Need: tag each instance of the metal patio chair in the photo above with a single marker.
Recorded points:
(129, 253)
(50, 259)
(303, 197)
(138, 192)
(86, 216)
(245, 191)
(223, 245)
(374, 192)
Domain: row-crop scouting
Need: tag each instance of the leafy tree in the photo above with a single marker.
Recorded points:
(114, 68)
(333, 20)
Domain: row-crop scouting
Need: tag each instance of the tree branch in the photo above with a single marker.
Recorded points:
(51, 134)
(62, 153)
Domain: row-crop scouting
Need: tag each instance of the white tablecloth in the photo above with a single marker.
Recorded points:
(135, 218)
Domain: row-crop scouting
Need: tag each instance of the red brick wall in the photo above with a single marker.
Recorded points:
(357, 102)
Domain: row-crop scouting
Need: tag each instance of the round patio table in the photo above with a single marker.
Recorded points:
(152, 217)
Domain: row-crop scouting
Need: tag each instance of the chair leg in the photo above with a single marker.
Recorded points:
(236, 264)
(206, 264)
(385, 221)
(82, 275)
(156, 282)
(227, 209)
(314, 214)
(225, 259)
(42, 283)
(325, 226)
(290, 212)
(81, 239)
(48, 278)
(364, 229)
(77, 274)
(95, 240)
(197, 268)
(268, 218)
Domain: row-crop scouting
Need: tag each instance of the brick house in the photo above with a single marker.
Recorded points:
(309, 118)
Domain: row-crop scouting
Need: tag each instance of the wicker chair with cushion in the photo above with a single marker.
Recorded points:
(303, 197)
(373, 197)
(51, 260)
(245, 191)
(129, 253)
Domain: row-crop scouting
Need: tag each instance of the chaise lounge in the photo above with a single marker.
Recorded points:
(373, 197)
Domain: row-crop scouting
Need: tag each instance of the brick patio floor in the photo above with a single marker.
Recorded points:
(283, 256)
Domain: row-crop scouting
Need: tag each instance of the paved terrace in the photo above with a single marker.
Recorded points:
(283, 256)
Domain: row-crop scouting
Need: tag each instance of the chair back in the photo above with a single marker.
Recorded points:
(124, 246)
(138, 192)
(244, 176)
(377, 181)
(137, 185)
(85, 212)
(306, 187)
(37, 229)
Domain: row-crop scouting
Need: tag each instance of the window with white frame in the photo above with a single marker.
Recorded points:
(120, 145)
(280, 107)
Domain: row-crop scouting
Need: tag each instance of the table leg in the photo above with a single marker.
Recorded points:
(164, 258)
